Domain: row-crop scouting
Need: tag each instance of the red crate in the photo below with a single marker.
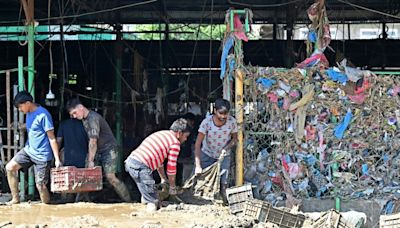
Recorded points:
(70, 179)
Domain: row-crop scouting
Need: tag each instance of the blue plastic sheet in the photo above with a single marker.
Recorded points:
(341, 128)
(227, 46)
(364, 169)
(312, 36)
(266, 82)
(336, 76)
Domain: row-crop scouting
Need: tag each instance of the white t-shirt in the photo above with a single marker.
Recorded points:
(216, 138)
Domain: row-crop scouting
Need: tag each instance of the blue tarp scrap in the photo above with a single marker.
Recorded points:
(341, 128)
(266, 82)
(227, 46)
(336, 76)
(312, 36)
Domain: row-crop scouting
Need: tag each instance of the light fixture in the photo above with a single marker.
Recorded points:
(89, 88)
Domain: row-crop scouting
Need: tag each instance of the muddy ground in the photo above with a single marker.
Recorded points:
(201, 214)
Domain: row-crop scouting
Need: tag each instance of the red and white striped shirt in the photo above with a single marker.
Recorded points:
(156, 147)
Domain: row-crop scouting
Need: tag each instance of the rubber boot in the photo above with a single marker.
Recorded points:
(123, 192)
(12, 178)
(223, 194)
(44, 194)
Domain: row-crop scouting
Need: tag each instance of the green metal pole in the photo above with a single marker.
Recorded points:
(335, 168)
(21, 120)
(231, 12)
(20, 73)
(31, 59)
(386, 72)
(118, 89)
(31, 89)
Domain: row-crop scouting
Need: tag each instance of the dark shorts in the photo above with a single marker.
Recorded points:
(143, 177)
(41, 168)
(107, 159)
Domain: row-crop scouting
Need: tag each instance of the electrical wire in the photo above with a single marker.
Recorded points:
(262, 6)
(88, 13)
(368, 9)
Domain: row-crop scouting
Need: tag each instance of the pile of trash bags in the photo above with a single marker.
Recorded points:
(319, 131)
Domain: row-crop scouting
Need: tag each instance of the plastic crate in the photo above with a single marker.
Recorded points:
(330, 219)
(265, 212)
(69, 179)
(237, 197)
(386, 221)
(253, 208)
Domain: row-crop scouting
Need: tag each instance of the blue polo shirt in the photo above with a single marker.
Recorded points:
(38, 123)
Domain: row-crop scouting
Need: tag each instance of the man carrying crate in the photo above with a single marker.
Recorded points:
(39, 149)
(102, 144)
(150, 155)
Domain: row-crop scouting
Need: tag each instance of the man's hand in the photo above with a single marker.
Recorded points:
(90, 164)
(164, 183)
(172, 190)
(58, 163)
(198, 170)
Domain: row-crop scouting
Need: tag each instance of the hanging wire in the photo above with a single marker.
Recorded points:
(368, 9)
(88, 13)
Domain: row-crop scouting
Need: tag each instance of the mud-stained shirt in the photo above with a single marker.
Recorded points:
(216, 138)
(97, 127)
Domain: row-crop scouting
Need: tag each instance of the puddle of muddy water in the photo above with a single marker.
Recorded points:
(101, 215)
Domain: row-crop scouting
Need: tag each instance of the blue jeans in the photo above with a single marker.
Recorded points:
(225, 165)
(143, 177)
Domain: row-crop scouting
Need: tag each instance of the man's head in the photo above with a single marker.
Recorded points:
(23, 101)
(76, 109)
(182, 128)
(222, 108)
(190, 118)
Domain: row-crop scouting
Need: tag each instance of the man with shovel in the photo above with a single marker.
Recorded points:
(217, 135)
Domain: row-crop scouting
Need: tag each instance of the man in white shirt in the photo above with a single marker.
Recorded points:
(217, 134)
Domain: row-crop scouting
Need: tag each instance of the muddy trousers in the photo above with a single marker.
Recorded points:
(12, 177)
(143, 177)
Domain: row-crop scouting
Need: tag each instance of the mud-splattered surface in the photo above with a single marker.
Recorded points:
(118, 215)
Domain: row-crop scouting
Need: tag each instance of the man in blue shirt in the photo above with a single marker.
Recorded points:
(38, 150)
(72, 136)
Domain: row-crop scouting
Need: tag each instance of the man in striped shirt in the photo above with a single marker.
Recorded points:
(150, 155)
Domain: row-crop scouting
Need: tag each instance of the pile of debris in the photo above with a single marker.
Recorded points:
(317, 129)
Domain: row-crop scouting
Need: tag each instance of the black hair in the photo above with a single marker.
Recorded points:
(72, 103)
(189, 116)
(222, 104)
(180, 125)
(22, 97)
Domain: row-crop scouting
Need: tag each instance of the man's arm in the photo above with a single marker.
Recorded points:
(232, 142)
(59, 142)
(161, 172)
(197, 152)
(54, 147)
(92, 152)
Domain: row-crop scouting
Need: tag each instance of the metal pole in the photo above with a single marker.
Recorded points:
(31, 59)
(118, 89)
(31, 74)
(239, 119)
(8, 96)
(21, 87)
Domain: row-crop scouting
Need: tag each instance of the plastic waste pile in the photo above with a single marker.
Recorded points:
(321, 130)
(326, 127)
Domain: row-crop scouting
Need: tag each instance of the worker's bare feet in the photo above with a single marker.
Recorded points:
(13, 201)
